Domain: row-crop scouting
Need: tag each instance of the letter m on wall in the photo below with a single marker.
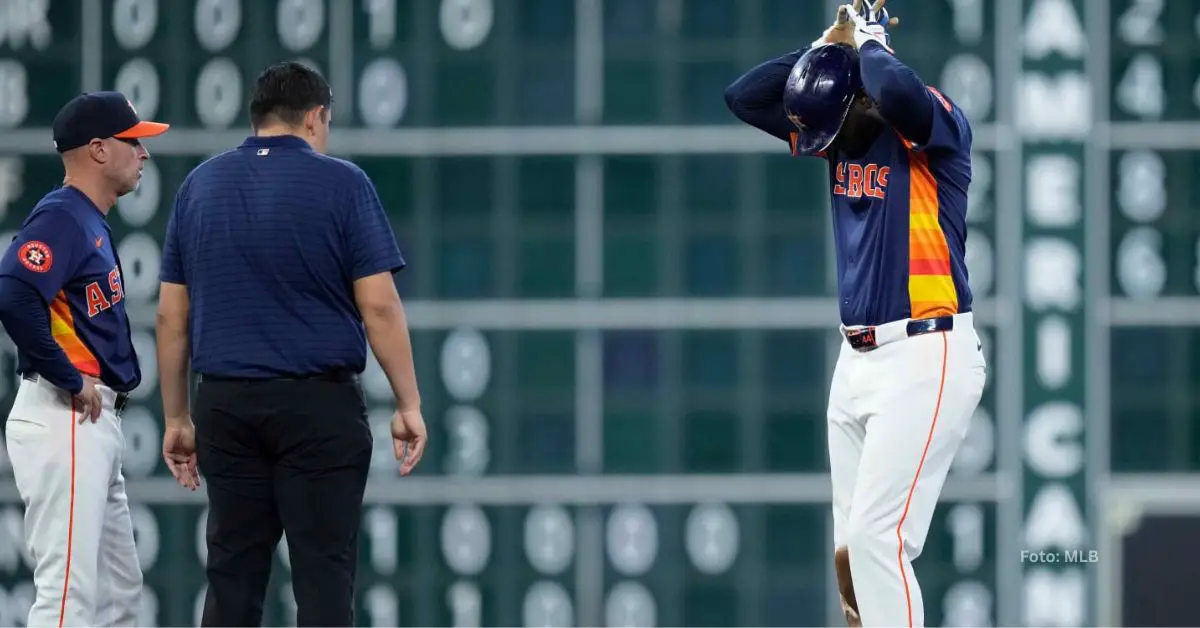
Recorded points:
(1054, 108)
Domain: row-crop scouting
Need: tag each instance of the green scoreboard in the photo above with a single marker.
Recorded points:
(622, 299)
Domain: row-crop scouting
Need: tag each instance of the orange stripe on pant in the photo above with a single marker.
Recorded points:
(913, 487)
(62, 610)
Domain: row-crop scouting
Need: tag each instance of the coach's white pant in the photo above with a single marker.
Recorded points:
(897, 415)
(77, 524)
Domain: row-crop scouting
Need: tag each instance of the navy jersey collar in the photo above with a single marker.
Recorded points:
(86, 201)
(276, 141)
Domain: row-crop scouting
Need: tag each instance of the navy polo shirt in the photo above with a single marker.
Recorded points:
(269, 239)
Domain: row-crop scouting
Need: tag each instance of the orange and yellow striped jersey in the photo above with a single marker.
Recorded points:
(899, 219)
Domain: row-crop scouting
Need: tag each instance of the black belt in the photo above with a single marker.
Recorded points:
(863, 338)
(119, 402)
(339, 376)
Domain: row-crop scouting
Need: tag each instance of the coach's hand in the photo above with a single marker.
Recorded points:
(179, 452)
(408, 438)
(87, 402)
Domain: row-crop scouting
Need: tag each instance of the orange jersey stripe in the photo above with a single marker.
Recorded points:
(931, 290)
(927, 245)
(929, 266)
(62, 327)
(926, 309)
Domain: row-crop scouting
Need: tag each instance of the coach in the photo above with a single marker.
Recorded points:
(277, 270)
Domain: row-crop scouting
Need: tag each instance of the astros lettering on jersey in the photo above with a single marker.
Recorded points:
(899, 220)
(65, 250)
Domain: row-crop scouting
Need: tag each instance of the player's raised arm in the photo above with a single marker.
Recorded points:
(903, 99)
(756, 97)
(32, 272)
(901, 95)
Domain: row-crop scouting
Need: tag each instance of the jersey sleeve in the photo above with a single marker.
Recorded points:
(171, 268)
(45, 252)
(756, 97)
(950, 131)
(367, 232)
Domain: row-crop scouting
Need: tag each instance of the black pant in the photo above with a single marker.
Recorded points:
(282, 456)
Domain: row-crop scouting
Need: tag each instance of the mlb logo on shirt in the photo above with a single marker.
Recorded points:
(262, 152)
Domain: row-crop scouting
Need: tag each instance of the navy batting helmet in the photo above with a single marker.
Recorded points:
(818, 94)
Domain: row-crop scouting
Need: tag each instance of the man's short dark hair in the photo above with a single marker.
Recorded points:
(286, 91)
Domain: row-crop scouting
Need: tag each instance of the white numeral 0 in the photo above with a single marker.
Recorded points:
(382, 93)
(217, 23)
(218, 93)
(300, 23)
(138, 80)
(134, 21)
(465, 23)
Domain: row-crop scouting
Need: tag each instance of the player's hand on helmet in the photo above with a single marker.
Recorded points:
(408, 438)
(87, 402)
(179, 451)
(842, 30)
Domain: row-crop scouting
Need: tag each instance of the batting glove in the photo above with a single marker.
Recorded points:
(874, 12)
(865, 31)
(871, 22)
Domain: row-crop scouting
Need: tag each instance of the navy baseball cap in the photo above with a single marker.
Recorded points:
(100, 115)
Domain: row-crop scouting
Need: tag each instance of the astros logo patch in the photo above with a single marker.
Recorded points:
(36, 256)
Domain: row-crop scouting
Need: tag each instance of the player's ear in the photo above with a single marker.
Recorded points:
(98, 151)
(314, 119)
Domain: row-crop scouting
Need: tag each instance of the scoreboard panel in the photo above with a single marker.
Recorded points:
(1153, 59)
(1155, 234)
(40, 62)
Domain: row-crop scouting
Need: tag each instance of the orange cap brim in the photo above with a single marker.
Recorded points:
(143, 129)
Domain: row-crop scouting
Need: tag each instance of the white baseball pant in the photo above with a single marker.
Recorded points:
(897, 415)
(77, 524)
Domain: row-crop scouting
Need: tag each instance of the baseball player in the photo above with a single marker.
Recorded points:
(910, 372)
(63, 305)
